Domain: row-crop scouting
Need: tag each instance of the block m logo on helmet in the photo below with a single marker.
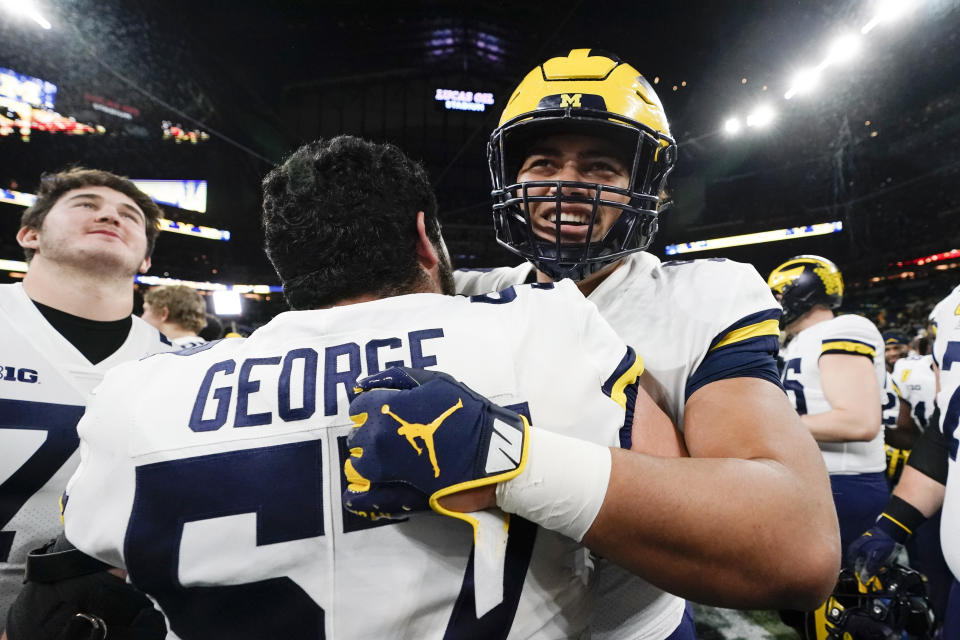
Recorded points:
(572, 100)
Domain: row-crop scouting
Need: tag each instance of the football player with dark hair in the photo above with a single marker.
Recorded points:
(214, 476)
(579, 163)
(931, 480)
(835, 376)
(86, 236)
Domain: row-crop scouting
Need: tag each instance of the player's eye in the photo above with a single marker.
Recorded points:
(539, 163)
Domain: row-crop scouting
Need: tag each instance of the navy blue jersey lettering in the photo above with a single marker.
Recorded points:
(285, 411)
(417, 359)
(246, 387)
(221, 395)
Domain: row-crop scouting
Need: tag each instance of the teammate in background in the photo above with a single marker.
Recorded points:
(834, 375)
(216, 484)
(916, 385)
(88, 233)
(930, 480)
(578, 163)
(914, 382)
(895, 347)
(178, 311)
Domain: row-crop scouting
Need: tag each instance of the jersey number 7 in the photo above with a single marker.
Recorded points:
(32, 466)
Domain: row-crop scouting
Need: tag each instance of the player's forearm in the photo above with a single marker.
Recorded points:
(922, 492)
(733, 532)
(842, 425)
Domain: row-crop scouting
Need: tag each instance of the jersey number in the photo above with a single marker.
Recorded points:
(280, 486)
(952, 415)
(889, 419)
(792, 384)
(60, 423)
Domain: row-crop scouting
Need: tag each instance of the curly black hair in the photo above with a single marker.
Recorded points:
(340, 220)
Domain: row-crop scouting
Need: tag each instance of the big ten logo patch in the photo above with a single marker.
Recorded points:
(15, 374)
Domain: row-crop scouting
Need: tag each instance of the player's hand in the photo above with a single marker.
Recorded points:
(872, 551)
(421, 436)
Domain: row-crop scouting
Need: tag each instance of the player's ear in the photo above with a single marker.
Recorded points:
(28, 237)
(426, 251)
(145, 265)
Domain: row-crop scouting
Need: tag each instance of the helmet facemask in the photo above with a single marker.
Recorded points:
(649, 156)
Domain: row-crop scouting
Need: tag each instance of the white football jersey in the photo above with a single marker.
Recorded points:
(187, 342)
(215, 478)
(693, 322)
(848, 334)
(946, 353)
(44, 384)
(917, 384)
(890, 410)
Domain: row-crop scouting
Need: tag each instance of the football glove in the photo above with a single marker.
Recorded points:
(875, 549)
(421, 435)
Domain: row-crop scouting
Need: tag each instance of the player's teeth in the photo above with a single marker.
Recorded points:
(568, 217)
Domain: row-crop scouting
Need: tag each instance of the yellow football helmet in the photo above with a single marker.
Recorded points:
(803, 281)
(594, 93)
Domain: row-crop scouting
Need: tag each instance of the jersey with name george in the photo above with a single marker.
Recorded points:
(44, 384)
(219, 488)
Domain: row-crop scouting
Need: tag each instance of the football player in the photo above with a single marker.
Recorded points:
(834, 375)
(931, 479)
(88, 233)
(213, 475)
(178, 311)
(578, 163)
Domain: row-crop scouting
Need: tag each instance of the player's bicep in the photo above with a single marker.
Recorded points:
(849, 382)
(718, 423)
(653, 432)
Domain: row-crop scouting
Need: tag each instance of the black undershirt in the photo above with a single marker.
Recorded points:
(96, 340)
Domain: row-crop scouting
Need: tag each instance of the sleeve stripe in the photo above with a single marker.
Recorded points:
(848, 346)
(765, 328)
(754, 320)
(626, 373)
(896, 388)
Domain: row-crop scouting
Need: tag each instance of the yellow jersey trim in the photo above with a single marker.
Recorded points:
(852, 347)
(619, 391)
(765, 328)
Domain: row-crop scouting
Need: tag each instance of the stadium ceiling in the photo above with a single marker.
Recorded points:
(246, 86)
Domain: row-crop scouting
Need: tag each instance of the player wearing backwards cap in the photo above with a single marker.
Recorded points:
(578, 164)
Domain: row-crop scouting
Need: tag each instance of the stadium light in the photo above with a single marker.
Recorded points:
(774, 235)
(844, 49)
(760, 117)
(227, 303)
(804, 82)
(732, 126)
(26, 8)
